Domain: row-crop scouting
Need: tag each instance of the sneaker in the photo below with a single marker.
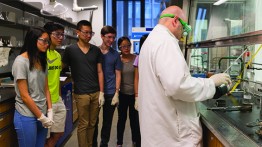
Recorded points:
(118, 145)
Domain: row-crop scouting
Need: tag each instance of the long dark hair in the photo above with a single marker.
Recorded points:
(30, 45)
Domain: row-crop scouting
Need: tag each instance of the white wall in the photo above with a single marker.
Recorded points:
(98, 18)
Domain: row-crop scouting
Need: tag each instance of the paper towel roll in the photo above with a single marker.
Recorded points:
(4, 55)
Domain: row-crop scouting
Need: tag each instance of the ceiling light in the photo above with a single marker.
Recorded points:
(219, 2)
(53, 9)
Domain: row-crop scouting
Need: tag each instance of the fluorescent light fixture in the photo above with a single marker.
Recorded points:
(53, 9)
(219, 2)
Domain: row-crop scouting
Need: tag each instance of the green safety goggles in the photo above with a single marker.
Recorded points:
(186, 27)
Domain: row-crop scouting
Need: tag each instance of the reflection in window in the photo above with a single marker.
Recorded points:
(210, 22)
(230, 18)
(128, 14)
(153, 10)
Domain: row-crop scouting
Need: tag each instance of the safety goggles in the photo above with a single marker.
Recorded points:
(87, 33)
(186, 27)
(44, 41)
(58, 35)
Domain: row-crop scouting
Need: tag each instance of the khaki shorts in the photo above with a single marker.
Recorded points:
(59, 117)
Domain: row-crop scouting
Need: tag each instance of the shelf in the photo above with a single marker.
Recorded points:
(5, 23)
(31, 9)
(242, 39)
(13, 47)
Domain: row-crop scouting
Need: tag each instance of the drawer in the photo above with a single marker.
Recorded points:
(8, 138)
(6, 106)
(6, 119)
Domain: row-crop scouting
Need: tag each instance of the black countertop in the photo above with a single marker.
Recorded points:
(7, 93)
(238, 120)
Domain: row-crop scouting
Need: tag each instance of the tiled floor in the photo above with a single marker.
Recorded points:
(72, 142)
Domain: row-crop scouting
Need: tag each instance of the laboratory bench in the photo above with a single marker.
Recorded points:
(8, 136)
(229, 125)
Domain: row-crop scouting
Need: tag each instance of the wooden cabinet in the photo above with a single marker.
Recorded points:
(5, 106)
(6, 119)
(212, 140)
(209, 139)
(8, 138)
(7, 132)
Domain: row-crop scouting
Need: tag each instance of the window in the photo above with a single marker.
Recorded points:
(128, 14)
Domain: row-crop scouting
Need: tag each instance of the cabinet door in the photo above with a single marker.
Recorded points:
(8, 138)
(212, 140)
(219, 144)
(6, 119)
(6, 106)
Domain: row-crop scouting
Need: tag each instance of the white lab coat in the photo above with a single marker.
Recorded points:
(167, 94)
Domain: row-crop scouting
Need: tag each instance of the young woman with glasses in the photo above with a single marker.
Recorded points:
(31, 119)
(127, 95)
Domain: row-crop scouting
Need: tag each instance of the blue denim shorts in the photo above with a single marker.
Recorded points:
(30, 132)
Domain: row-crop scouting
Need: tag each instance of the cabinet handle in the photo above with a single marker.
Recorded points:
(0, 136)
(1, 119)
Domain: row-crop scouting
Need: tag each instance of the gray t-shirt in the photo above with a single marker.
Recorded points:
(127, 78)
(36, 86)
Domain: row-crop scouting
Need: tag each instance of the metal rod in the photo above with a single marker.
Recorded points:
(236, 60)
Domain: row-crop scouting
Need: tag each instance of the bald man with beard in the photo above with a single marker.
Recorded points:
(167, 93)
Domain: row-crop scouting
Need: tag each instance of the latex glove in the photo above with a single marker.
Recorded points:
(136, 103)
(50, 114)
(46, 122)
(101, 99)
(220, 79)
(115, 99)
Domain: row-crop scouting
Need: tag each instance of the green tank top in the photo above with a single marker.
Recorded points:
(54, 68)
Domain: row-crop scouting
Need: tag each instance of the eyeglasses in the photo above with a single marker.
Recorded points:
(58, 35)
(44, 41)
(125, 47)
(187, 28)
(110, 37)
(87, 33)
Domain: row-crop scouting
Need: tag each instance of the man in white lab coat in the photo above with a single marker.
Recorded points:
(167, 109)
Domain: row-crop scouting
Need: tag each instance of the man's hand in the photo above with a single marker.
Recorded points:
(220, 79)
(101, 99)
(115, 99)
